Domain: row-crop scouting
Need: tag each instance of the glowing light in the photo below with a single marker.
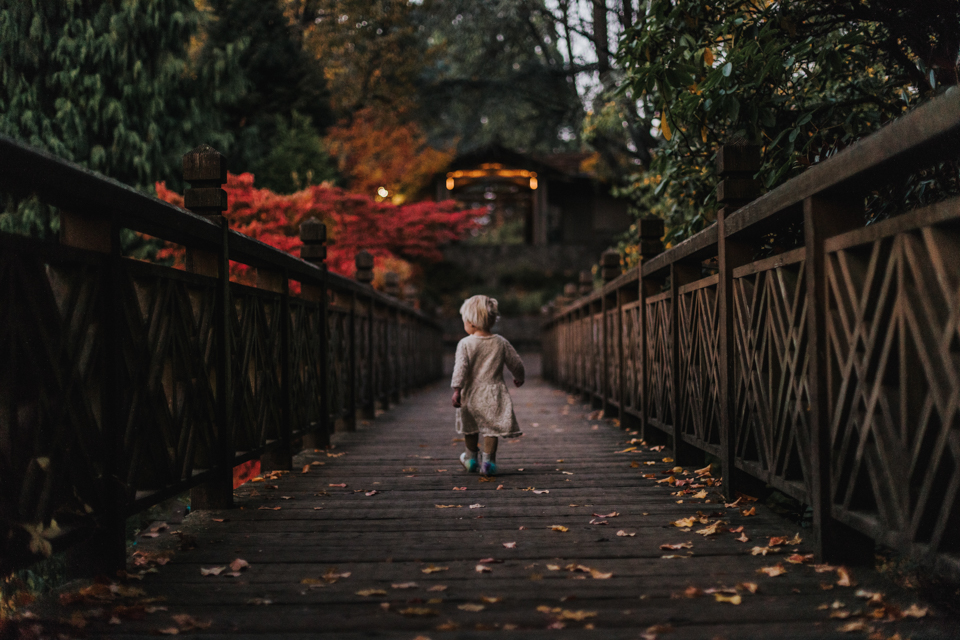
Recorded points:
(382, 192)
(450, 184)
(533, 183)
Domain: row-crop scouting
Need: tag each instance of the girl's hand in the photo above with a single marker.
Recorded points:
(519, 383)
(456, 398)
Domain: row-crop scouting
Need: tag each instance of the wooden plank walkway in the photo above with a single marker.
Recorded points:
(358, 546)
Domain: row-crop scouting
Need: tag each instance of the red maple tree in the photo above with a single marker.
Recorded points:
(398, 236)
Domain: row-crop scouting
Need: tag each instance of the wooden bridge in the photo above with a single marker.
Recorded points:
(829, 371)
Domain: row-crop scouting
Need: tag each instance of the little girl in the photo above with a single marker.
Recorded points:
(484, 406)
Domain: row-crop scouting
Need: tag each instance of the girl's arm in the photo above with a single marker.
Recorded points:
(513, 362)
(461, 366)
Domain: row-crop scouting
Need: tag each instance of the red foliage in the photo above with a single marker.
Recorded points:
(392, 233)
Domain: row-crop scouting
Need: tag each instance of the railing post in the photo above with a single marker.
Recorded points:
(823, 218)
(364, 265)
(737, 166)
(280, 457)
(650, 230)
(206, 169)
(313, 235)
(609, 270)
(104, 552)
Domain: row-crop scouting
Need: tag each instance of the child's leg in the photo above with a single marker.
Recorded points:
(490, 446)
(472, 441)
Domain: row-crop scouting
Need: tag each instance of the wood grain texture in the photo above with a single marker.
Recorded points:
(409, 456)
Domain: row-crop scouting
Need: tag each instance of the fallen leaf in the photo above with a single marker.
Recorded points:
(312, 581)
(800, 559)
(776, 570)
(490, 561)
(674, 557)
(418, 611)
(306, 468)
(700, 494)
(634, 464)
(558, 527)
(404, 585)
(734, 599)
(600, 575)
(685, 522)
(510, 545)
(342, 485)
(844, 578)
(219, 519)
(553, 567)
(448, 506)
(433, 569)
(598, 521)
(490, 600)
(371, 592)
(624, 534)
(749, 586)
(438, 587)
(459, 488)
(612, 514)
(476, 506)
(915, 611)
(824, 568)
(679, 545)
(212, 571)
(482, 568)
(856, 625)
(711, 530)
(737, 530)
(540, 492)
(743, 538)
(752, 511)
(627, 450)
(371, 493)
(169, 631)
(239, 564)
(762, 551)
(471, 607)
(578, 616)
(266, 508)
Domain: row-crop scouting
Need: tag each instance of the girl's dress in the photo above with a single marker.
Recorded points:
(485, 403)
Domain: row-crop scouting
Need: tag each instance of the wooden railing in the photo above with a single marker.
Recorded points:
(830, 371)
(124, 383)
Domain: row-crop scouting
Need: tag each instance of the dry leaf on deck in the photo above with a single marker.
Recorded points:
(266, 508)
(482, 568)
(438, 587)
(490, 561)
(685, 522)
(418, 611)
(490, 600)
(541, 491)
(212, 571)
(915, 611)
(433, 569)
(558, 527)
(239, 564)
(476, 506)
(700, 494)
(711, 530)
(553, 567)
(577, 615)
(459, 488)
(600, 575)
(471, 607)
(761, 551)
(752, 511)
(510, 545)
(679, 545)
(776, 570)
(342, 485)
(612, 514)
(371, 592)
(800, 559)
(624, 534)
(844, 578)
(448, 506)
(856, 625)
(749, 586)
(734, 599)
(404, 585)
(371, 493)
(743, 538)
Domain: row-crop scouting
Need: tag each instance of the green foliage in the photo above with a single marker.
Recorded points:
(499, 77)
(298, 158)
(801, 78)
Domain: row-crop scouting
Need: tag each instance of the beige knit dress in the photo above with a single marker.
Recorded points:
(485, 403)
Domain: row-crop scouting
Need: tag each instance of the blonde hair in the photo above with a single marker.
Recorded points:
(480, 311)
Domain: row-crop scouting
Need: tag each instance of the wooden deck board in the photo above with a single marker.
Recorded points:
(391, 537)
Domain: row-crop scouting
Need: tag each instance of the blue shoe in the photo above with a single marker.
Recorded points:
(469, 461)
(487, 466)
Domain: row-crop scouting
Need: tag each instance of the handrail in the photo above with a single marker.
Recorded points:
(129, 382)
(786, 367)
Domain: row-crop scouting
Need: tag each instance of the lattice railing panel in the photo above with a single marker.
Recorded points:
(771, 387)
(698, 399)
(305, 393)
(632, 357)
(168, 365)
(255, 335)
(613, 356)
(893, 332)
(659, 356)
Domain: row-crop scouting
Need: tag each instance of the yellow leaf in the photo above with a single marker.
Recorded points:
(844, 578)
(708, 57)
(471, 607)
(418, 611)
(665, 128)
(731, 599)
(490, 600)
(433, 569)
(371, 592)
(600, 575)
(776, 570)
(577, 615)
(558, 527)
